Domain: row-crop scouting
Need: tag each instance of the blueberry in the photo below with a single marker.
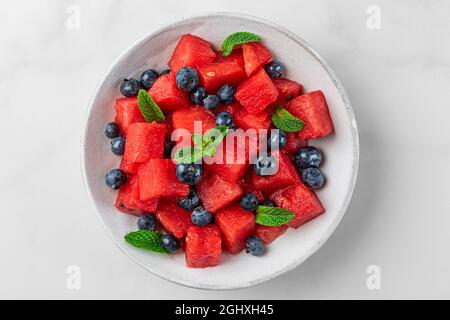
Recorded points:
(165, 71)
(191, 202)
(254, 246)
(275, 69)
(226, 94)
(313, 178)
(211, 102)
(224, 119)
(277, 139)
(201, 217)
(187, 79)
(265, 165)
(118, 146)
(198, 95)
(249, 202)
(168, 146)
(115, 178)
(308, 157)
(268, 203)
(148, 78)
(189, 173)
(112, 130)
(147, 222)
(170, 243)
(129, 87)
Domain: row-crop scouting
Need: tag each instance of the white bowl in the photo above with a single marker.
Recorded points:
(341, 150)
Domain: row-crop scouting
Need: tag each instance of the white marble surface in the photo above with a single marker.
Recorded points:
(398, 79)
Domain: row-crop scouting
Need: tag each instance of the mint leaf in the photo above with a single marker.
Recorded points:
(285, 121)
(197, 139)
(273, 217)
(149, 240)
(236, 39)
(184, 155)
(203, 145)
(212, 138)
(188, 155)
(148, 107)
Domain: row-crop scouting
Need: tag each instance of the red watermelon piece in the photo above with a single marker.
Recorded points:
(235, 56)
(167, 95)
(144, 141)
(191, 51)
(269, 234)
(286, 175)
(185, 119)
(247, 120)
(214, 75)
(127, 112)
(173, 218)
(287, 90)
(216, 193)
(203, 246)
(312, 108)
(293, 143)
(157, 179)
(257, 92)
(236, 225)
(232, 165)
(246, 183)
(232, 108)
(256, 56)
(129, 167)
(128, 200)
(302, 201)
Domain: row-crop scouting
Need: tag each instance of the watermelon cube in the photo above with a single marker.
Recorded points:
(236, 225)
(144, 141)
(247, 120)
(191, 51)
(203, 246)
(232, 108)
(186, 118)
(129, 167)
(214, 75)
(293, 142)
(269, 234)
(127, 112)
(257, 92)
(173, 218)
(216, 193)
(167, 95)
(312, 108)
(246, 183)
(287, 90)
(228, 172)
(302, 201)
(128, 200)
(157, 179)
(232, 165)
(286, 175)
(235, 56)
(256, 56)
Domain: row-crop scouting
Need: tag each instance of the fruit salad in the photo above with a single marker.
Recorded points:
(214, 151)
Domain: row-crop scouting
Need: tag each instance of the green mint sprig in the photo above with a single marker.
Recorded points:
(149, 240)
(285, 121)
(273, 217)
(148, 107)
(236, 39)
(204, 145)
(212, 139)
(187, 155)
